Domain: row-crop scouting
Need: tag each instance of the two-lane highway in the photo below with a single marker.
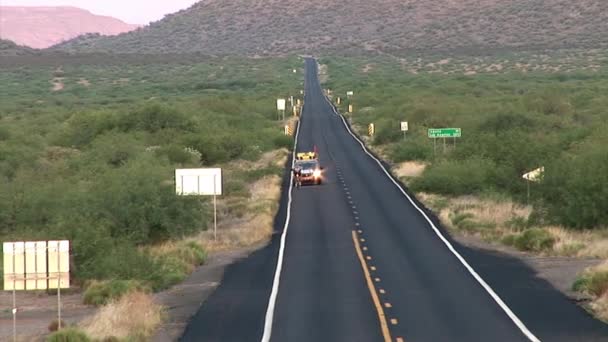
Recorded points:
(359, 261)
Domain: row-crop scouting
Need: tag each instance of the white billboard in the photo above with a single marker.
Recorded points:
(281, 104)
(198, 182)
(36, 265)
(404, 126)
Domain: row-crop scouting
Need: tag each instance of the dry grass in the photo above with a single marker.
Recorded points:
(323, 73)
(134, 315)
(600, 307)
(256, 225)
(492, 220)
(409, 169)
(84, 82)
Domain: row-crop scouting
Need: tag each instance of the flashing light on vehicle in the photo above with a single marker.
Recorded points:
(317, 173)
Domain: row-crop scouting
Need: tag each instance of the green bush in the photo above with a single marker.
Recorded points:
(190, 252)
(68, 335)
(102, 292)
(411, 149)
(534, 240)
(595, 283)
(155, 117)
(283, 141)
(455, 177)
(575, 189)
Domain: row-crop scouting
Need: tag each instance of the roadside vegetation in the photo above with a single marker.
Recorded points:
(88, 153)
(550, 114)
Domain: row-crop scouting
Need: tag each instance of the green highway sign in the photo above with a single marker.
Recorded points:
(444, 133)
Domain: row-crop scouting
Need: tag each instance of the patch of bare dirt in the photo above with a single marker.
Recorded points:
(36, 310)
(58, 84)
(84, 82)
(409, 169)
(367, 68)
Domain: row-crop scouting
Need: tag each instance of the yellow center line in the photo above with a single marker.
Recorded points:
(370, 284)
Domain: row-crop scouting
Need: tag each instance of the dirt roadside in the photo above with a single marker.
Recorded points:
(37, 310)
(182, 301)
(560, 272)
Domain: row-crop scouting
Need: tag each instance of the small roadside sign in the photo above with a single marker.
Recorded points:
(535, 175)
(444, 132)
(350, 108)
(288, 130)
(281, 104)
(371, 129)
(350, 93)
(404, 126)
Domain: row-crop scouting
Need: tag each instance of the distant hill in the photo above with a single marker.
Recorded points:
(42, 27)
(10, 48)
(276, 27)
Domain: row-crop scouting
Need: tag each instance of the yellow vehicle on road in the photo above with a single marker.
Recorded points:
(307, 169)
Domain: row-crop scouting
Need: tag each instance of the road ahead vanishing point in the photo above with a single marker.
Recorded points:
(355, 259)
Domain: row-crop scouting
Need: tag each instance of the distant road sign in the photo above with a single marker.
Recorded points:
(350, 93)
(202, 182)
(444, 133)
(404, 126)
(535, 175)
(281, 104)
(371, 129)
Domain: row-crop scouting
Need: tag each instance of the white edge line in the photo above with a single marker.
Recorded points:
(475, 275)
(269, 318)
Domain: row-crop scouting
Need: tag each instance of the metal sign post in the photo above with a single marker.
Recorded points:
(25, 268)
(14, 304)
(58, 292)
(533, 176)
(200, 182)
(214, 208)
(404, 128)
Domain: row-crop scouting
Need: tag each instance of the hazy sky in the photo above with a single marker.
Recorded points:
(130, 11)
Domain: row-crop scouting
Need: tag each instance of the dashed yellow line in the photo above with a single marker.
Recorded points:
(370, 284)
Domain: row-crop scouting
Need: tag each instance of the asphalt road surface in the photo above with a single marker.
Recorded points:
(360, 262)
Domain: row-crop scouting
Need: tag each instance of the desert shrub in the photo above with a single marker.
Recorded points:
(412, 149)
(68, 335)
(575, 189)
(153, 118)
(4, 134)
(283, 141)
(534, 239)
(139, 206)
(54, 325)
(82, 128)
(102, 292)
(455, 177)
(595, 283)
(179, 155)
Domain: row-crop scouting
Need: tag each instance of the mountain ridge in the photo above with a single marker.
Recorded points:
(277, 27)
(44, 26)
